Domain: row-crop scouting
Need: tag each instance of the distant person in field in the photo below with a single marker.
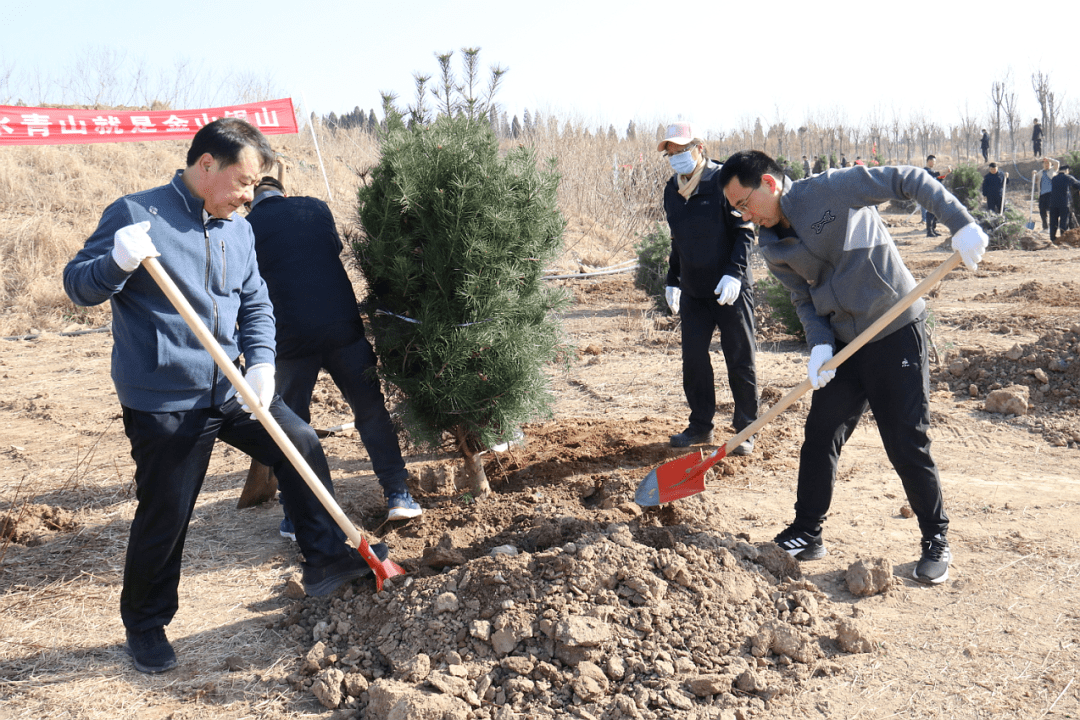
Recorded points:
(824, 240)
(710, 286)
(931, 219)
(320, 328)
(805, 166)
(843, 161)
(1062, 187)
(984, 144)
(819, 165)
(175, 400)
(1036, 138)
(993, 187)
(1044, 180)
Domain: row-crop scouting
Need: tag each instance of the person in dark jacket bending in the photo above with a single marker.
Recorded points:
(319, 327)
(825, 241)
(710, 285)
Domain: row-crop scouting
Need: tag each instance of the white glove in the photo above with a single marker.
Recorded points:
(819, 355)
(971, 243)
(727, 290)
(261, 379)
(673, 294)
(132, 245)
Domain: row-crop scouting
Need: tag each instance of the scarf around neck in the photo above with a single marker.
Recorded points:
(687, 185)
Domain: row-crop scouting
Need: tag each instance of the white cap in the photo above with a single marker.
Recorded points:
(680, 133)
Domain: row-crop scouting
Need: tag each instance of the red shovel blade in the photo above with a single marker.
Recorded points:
(383, 569)
(676, 479)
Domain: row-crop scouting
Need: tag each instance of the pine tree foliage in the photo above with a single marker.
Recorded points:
(454, 245)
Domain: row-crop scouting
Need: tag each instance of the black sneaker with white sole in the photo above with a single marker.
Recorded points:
(933, 567)
(800, 544)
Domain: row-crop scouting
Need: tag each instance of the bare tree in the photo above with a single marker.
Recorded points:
(7, 69)
(997, 96)
(1012, 120)
(969, 131)
(896, 132)
(1048, 110)
(778, 130)
(1071, 125)
(250, 87)
(875, 129)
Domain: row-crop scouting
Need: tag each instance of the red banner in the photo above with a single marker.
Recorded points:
(61, 126)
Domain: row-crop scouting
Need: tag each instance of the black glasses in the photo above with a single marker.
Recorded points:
(740, 208)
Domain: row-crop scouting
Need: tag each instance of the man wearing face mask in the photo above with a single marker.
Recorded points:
(710, 286)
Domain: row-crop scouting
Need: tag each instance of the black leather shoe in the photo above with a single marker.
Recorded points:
(325, 580)
(689, 437)
(150, 650)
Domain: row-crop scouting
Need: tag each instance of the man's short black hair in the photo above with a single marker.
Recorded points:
(931, 157)
(270, 181)
(226, 138)
(748, 166)
(993, 165)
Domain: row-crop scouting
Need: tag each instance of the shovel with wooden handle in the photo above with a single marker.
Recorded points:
(685, 476)
(1031, 203)
(383, 569)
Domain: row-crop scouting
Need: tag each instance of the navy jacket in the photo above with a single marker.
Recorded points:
(299, 255)
(993, 184)
(1060, 188)
(707, 241)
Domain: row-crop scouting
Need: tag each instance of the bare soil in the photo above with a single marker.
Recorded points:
(557, 596)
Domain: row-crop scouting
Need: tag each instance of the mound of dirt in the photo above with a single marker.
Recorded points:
(619, 621)
(31, 524)
(1048, 368)
(1066, 294)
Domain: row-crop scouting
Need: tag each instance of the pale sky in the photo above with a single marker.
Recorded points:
(718, 64)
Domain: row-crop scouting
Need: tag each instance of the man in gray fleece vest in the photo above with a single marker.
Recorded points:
(824, 240)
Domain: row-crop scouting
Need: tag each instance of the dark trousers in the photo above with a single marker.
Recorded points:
(1044, 210)
(1059, 220)
(891, 377)
(931, 223)
(352, 369)
(700, 316)
(993, 203)
(171, 452)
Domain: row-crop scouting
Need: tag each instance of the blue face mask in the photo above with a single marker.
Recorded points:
(684, 162)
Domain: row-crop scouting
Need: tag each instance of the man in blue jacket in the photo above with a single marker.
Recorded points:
(319, 328)
(709, 284)
(824, 240)
(175, 400)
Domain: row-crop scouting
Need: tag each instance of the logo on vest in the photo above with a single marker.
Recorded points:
(827, 218)
(905, 364)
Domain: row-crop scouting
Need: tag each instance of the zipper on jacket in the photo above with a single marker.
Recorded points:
(213, 307)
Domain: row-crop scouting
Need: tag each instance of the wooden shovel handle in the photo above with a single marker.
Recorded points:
(262, 414)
